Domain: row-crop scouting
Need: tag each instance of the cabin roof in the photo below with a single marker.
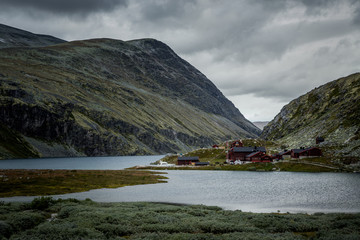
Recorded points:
(189, 158)
(287, 152)
(253, 154)
(297, 150)
(308, 149)
(249, 149)
(201, 163)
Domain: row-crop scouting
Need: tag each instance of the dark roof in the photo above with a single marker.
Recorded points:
(309, 148)
(253, 154)
(261, 149)
(320, 138)
(243, 149)
(297, 150)
(189, 158)
(285, 152)
(249, 149)
(201, 163)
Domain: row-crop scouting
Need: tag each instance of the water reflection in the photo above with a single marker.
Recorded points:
(246, 191)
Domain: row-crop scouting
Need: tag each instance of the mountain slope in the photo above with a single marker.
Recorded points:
(331, 111)
(13, 37)
(109, 97)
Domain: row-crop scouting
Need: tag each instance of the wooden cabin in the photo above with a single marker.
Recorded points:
(306, 152)
(310, 152)
(237, 143)
(240, 153)
(187, 160)
(286, 154)
(295, 153)
(258, 157)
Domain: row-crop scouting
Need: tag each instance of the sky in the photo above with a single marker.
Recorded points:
(261, 54)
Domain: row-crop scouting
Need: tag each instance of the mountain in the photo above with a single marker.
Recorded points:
(103, 97)
(331, 111)
(13, 37)
(261, 124)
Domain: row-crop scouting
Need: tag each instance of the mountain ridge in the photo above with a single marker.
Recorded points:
(103, 97)
(331, 111)
(14, 37)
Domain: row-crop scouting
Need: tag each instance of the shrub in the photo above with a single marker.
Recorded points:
(42, 203)
(59, 231)
(5, 230)
(111, 230)
(25, 220)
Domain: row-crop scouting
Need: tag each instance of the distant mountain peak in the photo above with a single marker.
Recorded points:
(14, 37)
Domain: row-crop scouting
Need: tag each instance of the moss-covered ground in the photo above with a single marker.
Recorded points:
(45, 218)
(18, 182)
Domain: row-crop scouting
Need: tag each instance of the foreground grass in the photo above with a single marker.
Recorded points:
(46, 218)
(18, 182)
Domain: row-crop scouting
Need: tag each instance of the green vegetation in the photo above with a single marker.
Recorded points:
(211, 155)
(331, 111)
(49, 182)
(46, 218)
(13, 144)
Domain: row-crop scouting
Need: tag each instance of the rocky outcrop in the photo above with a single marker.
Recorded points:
(331, 111)
(109, 97)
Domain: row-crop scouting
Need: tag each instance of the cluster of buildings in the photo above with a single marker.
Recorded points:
(238, 154)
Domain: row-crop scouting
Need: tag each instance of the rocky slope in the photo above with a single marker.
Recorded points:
(109, 97)
(331, 111)
(261, 124)
(13, 37)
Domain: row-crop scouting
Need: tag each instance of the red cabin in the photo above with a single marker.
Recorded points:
(310, 152)
(187, 160)
(306, 152)
(240, 153)
(237, 143)
(258, 157)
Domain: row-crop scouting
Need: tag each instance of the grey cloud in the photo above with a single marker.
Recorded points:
(67, 7)
(275, 49)
(155, 11)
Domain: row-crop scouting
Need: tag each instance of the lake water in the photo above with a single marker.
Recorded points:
(246, 191)
(85, 163)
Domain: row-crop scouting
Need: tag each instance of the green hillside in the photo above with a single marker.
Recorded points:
(331, 111)
(109, 97)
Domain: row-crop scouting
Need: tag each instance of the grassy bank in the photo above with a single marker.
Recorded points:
(19, 182)
(261, 167)
(72, 219)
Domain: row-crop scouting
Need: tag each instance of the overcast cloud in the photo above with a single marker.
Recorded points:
(261, 54)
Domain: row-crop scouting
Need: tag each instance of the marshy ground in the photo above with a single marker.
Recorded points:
(32, 182)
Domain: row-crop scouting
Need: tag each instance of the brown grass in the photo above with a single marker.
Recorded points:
(19, 182)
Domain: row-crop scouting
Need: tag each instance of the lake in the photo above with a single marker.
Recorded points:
(232, 190)
(85, 163)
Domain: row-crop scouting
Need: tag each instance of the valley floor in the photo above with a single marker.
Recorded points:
(45, 218)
